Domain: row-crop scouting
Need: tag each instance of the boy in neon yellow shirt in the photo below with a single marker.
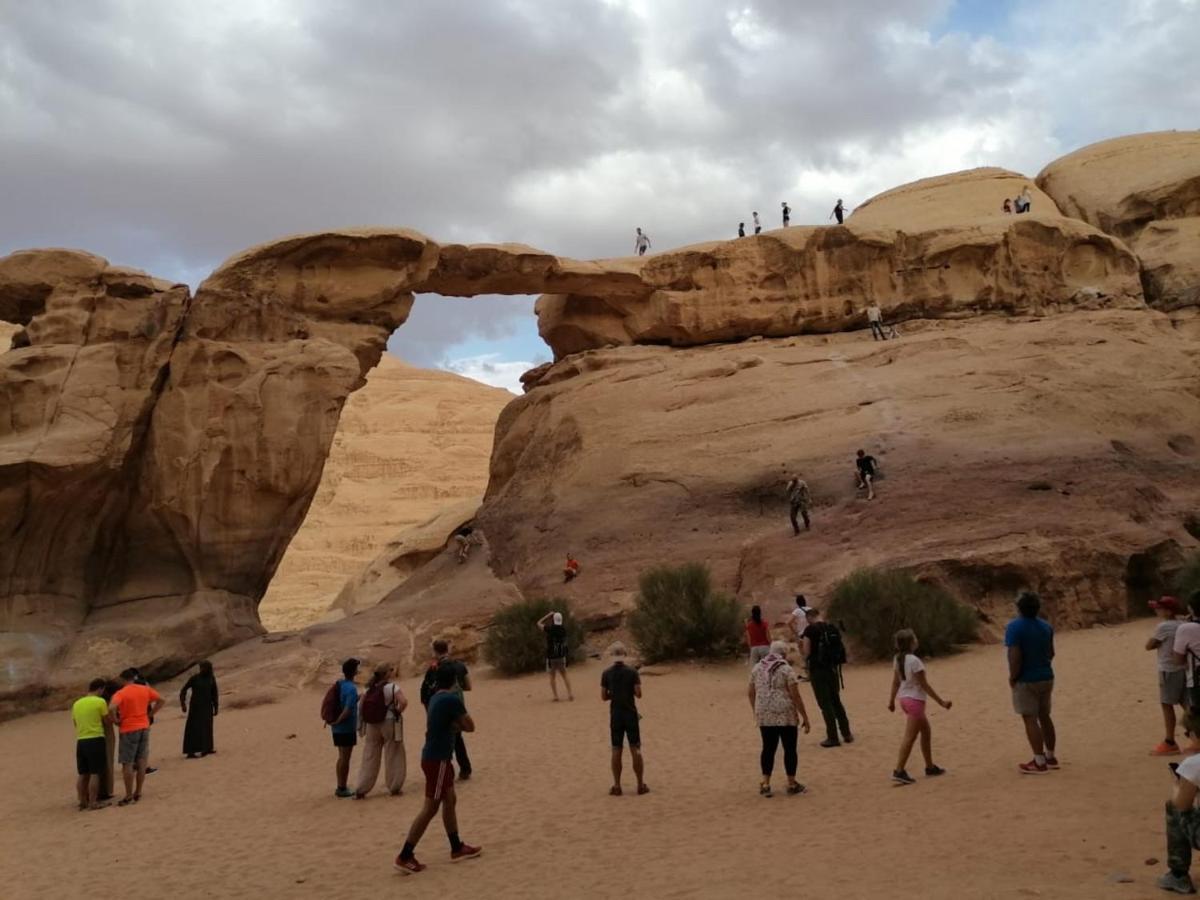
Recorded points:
(90, 713)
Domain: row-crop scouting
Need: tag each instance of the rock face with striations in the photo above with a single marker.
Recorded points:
(159, 452)
(1144, 189)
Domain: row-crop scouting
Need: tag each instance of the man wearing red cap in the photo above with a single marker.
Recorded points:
(1172, 677)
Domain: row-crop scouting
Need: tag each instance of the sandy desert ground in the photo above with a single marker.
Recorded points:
(259, 818)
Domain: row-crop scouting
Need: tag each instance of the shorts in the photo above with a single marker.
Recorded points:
(439, 777)
(91, 757)
(1032, 698)
(344, 738)
(757, 653)
(913, 708)
(556, 665)
(1172, 688)
(625, 724)
(133, 746)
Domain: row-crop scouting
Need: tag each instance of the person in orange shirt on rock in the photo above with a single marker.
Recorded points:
(571, 569)
(131, 707)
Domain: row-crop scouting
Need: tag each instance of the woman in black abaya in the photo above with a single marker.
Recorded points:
(198, 733)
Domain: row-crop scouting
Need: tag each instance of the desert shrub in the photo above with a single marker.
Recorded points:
(515, 645)
(677, 615)
(1188, 579)
(873, 604)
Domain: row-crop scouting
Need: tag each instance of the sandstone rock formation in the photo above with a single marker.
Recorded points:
(933, 249)
(1145, 189)
(410, 444)
(159, 452)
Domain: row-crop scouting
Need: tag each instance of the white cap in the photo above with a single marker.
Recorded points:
(558, 618)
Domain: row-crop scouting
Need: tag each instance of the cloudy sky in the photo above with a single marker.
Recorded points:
(168, 135)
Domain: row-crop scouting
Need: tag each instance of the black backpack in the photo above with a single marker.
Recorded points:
(829, 651)
(429, 683)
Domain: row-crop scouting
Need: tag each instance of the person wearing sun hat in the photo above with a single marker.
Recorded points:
(1172, 674)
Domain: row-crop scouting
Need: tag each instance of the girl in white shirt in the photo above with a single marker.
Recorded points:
(911, 686)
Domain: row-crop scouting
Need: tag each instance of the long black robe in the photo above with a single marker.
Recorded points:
(198, 732)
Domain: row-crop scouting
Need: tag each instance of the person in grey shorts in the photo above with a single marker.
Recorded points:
(1172, 675)
(1030, 642)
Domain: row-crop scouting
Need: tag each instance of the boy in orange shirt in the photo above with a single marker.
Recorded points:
(131, 707)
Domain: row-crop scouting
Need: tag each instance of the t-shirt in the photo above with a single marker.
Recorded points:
(348, 694)
(1035, 637)
(445, 708)
(460, 672)
(909, 686)
(798, 492)
(866, 465)
(620, 680)
(556, 641)
(1189, 769)
(799, 621)
(758, 633)
(88, 715)
(1165, 635)
(874, 314)
(133, 706)
(813, 633)
(1187, 638)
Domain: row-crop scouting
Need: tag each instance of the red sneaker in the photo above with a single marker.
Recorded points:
(1052, 762)
(1165, 749)
(1033, 767)
(408, 866)
(466, 851)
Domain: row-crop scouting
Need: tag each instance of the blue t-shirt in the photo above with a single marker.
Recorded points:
(445, 708)
(349, 699)
(1035, 637)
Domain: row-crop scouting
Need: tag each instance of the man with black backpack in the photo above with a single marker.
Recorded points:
(826, 654)
(462, 680)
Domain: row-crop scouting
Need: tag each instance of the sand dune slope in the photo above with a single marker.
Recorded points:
(259, 820)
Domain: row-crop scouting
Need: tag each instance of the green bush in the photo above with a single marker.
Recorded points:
(1188, 579)
(515, 645)
(678, 615)
(873, 604)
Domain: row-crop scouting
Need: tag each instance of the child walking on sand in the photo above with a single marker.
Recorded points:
(911, 686)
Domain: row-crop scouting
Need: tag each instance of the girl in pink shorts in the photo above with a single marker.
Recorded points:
(912, 688)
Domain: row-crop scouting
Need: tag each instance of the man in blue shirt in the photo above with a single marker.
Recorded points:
(446, 720)
(1030, 643)
(345, 726)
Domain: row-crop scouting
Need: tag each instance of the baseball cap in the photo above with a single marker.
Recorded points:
(1167, 602)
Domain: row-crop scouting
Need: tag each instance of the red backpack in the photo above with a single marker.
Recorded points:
(331, 704)
(374, 707)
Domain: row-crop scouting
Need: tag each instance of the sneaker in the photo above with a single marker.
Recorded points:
(1165, 749)
(1033, 767)
(934, 771)
(408, 866)
(902, 777)
(1180, 884)
(831, 743)
(848, 739)
(464, 776)
(764, 790)
(343, 792)
(1052, 762)
(797, 788)
(464, 851)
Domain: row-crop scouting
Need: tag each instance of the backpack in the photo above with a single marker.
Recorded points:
(429, 683)
(331, 703)
(829, 652)
(374, 706)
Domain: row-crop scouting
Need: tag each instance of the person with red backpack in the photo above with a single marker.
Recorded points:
(339, 710)
(381, 726)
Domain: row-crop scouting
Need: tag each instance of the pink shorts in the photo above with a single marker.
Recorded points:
(913, 708)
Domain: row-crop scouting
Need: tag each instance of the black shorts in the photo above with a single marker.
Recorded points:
(344, 739)
(91, 757)
(625, 724)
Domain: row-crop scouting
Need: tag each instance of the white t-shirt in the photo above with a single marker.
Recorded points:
(874, 314)
(1187, 637)
(910, 687)
(799, 621)
(1190, 769)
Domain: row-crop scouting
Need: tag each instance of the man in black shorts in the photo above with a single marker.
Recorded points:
(866, 473)
(622, 687)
